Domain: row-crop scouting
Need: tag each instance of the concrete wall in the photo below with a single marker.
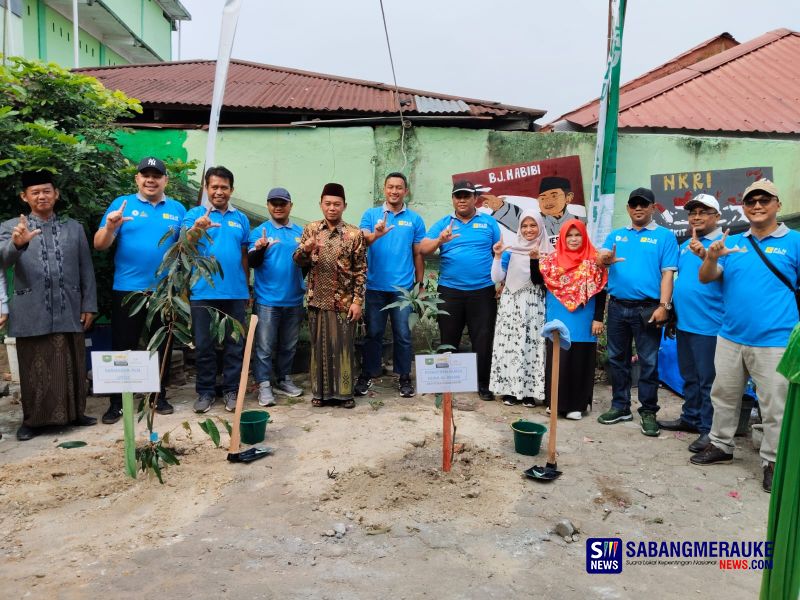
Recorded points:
(303, 160)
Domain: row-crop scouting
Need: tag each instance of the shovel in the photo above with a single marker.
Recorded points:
(253, 453)
(559, 334)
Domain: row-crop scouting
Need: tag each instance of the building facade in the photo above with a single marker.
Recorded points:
(111, 32)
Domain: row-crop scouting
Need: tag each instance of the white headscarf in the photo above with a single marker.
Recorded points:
(519, 266)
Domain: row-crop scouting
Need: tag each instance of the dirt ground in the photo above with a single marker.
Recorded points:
(73, 525)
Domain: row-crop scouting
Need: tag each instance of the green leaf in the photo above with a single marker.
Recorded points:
(158, 338)
(438, 399)
(226, 424)
(156, 468)
(211, 429)
(187, 427)
(167, 455)
(72, 444)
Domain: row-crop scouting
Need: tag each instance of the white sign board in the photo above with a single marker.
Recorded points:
(447, 373)
(117, 372)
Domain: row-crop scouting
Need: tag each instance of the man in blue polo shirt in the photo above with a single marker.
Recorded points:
(279, 289)
(642, 259)
(137, 222)
(759, 314)
(464, 240)
(393, 233)
(698, 308)
(229, 230)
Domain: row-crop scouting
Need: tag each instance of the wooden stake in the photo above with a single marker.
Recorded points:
(447, 431)
(237, 415)
(551, 439)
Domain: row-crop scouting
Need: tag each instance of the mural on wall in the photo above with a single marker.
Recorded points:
(674, 190)
(553, 186)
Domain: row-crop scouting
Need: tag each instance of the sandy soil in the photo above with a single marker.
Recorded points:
(73, 525)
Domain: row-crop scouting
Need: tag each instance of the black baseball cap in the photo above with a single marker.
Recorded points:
(463, 185)
(151, 162)
(644, 194)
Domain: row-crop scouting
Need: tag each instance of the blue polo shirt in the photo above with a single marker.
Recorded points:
(278, 281)
(226, 245)
(390, 259)
(699, 305)
(647, 253)
(466, 261)
(759, 309)
(138, 255)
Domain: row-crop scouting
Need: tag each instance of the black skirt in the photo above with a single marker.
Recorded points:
(575, 376)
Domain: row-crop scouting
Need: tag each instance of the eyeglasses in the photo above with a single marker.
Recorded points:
(702, 213)
(638, 204)
(761, 200)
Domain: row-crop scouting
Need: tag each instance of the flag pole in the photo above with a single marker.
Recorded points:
(604, 171)
(230, 18)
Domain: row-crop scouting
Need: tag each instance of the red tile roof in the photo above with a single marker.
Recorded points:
(753, 87)
(253, 86)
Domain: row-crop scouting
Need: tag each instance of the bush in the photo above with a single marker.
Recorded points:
(66, 123)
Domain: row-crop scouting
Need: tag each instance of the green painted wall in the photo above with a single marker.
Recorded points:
(30, 28)
(156, 30)
(128, 11)
(303, 160)
(16, 28)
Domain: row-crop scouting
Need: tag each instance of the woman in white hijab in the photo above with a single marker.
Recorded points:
(518, 354)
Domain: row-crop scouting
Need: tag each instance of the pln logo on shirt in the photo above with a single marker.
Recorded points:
(479, 226)
(648, 240)
(603, 555)
(170, 217)
(234, 224)
(774, 250)
(404, 223)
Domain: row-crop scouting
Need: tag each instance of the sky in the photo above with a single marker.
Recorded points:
(546, 55)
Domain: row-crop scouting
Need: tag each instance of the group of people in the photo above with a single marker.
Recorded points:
(338, 273)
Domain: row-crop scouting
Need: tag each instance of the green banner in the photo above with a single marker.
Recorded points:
(604, 172)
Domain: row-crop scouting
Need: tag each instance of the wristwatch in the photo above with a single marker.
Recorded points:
(666, 305)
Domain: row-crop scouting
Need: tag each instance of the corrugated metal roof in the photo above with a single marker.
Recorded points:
(751, 88)
(266, 87)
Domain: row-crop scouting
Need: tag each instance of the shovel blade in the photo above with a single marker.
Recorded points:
(546, 473)
(250, 455)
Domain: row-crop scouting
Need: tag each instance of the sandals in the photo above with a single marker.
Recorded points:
(349, 403)
(316, 402)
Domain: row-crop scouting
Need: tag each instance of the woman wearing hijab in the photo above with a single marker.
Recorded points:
(576, 296)
(518, 355)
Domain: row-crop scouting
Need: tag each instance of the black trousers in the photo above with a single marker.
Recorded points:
(477, 310)
(126, 332)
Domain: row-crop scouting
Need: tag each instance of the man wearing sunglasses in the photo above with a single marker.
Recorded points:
(699, 315)
(641, 260)
(759, 313)
(464, 240)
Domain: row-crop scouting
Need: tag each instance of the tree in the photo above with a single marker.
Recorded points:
(66, 123)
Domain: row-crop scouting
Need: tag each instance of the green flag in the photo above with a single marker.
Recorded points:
(782, 581)
(604, 172)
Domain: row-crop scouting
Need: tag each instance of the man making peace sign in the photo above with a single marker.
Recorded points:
(137, 222)
(227, 231)
(699, 315)
(279, 290)
(759, 313)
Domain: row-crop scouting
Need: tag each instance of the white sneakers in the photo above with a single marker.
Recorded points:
(575, 415)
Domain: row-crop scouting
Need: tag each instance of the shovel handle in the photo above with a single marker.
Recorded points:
(237, 415)
(551, 439)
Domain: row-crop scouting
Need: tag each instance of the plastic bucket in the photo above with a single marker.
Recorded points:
(253, 426)
(528, 437)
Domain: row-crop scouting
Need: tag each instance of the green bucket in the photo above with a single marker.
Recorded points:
(528, 437)
(253, 426)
